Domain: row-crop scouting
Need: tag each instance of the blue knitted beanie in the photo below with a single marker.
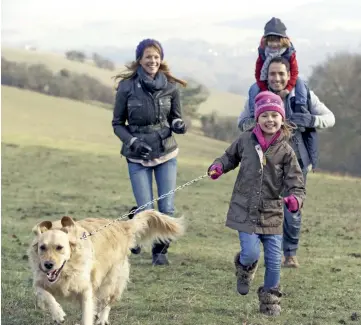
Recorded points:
(147, 43)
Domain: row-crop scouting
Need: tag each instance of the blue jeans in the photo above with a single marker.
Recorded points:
(250, 253)
(292, 228)
(141, 178)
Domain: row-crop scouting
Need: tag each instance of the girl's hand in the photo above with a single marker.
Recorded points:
(291, 203)
(215, 171)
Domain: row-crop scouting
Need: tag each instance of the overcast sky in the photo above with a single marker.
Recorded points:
(85, 21)
(22, 13)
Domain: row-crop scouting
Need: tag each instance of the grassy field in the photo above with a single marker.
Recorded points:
(61, 157)
(224, 103)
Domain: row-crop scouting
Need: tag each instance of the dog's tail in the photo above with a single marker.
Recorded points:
(150, 225)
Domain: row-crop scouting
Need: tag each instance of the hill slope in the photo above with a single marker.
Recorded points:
(222, 102)
(33, 118)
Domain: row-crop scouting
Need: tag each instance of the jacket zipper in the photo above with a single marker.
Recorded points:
(156, 112)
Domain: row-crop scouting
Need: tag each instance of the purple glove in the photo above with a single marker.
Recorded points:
(215, 171)
(291, 203)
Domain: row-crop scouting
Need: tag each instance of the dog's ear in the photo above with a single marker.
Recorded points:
(42, 227)
(69, 228)
(67, 222)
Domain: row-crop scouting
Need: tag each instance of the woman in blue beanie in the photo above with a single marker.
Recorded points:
(149, 101)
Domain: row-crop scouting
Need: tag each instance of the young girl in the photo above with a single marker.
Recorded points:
(268, 166)
(275, 42)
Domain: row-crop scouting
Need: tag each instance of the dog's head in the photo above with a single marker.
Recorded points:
(53, 245)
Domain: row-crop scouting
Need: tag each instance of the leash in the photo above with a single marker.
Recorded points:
(86, 235)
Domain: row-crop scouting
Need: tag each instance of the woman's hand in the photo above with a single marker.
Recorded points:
(179, 127)
(141, 148)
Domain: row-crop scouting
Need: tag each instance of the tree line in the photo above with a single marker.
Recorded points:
(64, 83)
(99, 61)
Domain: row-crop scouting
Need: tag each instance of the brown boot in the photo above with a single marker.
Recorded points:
(269, 301)
(245, 275)
(290, 262)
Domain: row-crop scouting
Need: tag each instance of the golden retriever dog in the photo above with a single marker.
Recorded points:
(94, 270)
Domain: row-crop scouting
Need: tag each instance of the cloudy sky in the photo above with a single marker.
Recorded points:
(118, 22)
(22, 13)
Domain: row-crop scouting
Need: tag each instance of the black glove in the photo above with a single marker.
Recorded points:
(179, 127)
(141, 148)
(306, 120)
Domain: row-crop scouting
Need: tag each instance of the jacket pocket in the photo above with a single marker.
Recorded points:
(168, 141)
(164, 132)
(271, 213)
(135, 111)
(165, 105)
(169, 144)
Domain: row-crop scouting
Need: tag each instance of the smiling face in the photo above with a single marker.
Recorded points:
(270, 122)
(274, 42)
(151, 60)
(278, 76)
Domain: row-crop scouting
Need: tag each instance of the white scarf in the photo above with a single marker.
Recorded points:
(270, 54)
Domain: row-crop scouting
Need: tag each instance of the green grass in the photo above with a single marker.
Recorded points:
(60, 157)
(222, 102)
(29, 117)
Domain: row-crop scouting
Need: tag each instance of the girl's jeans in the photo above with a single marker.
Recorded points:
(250, 253)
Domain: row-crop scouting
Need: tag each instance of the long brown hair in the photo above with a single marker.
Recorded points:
(287, 130)
(131, 70)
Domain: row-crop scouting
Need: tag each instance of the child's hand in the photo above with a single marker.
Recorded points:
(283, 93)
(291, 203)
(215, 171)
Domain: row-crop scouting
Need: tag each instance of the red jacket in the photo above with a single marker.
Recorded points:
(262, 84)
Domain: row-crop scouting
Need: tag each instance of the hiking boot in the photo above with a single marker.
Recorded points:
(245, 275)
(269, 301)
(131, 212)
(290, 262)
(160, 259)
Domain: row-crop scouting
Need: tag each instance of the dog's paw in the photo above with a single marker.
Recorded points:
(102, 320)
(40, 303)
(103, 316)
(59, 315)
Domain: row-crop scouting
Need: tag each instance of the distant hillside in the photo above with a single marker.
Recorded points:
(222, 102)
(225, 104)
(56, 62)
(30, 118)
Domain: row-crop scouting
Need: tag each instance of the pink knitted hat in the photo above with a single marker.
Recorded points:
(268, 101)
